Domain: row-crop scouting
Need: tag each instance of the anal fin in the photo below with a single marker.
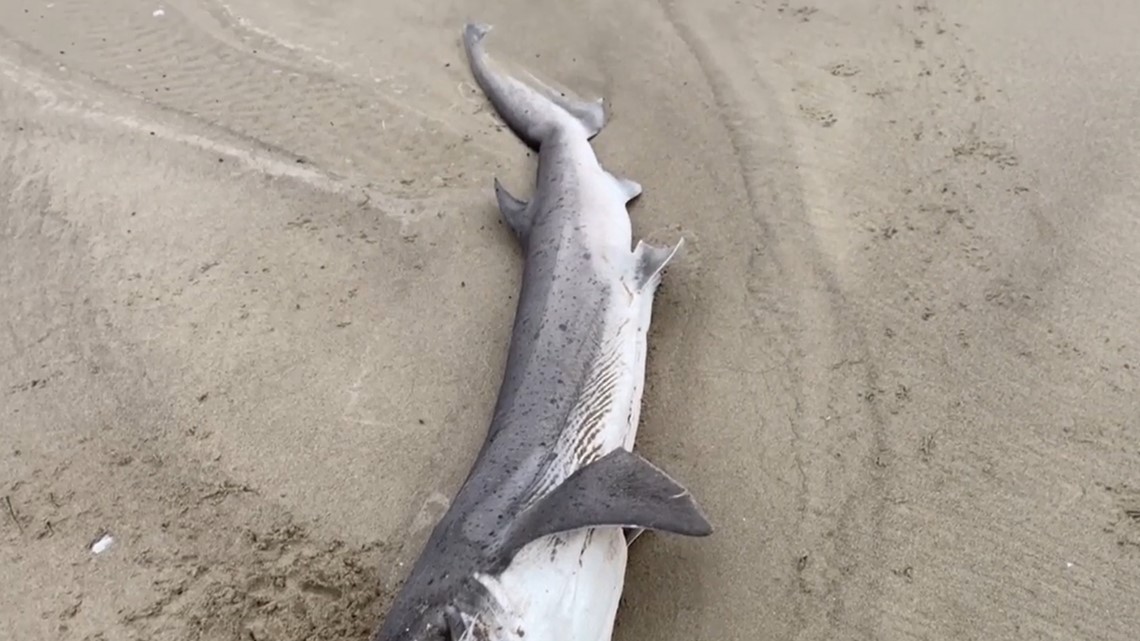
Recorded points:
(513, 210)
(650, 261)
(629, 188)
(620, 489)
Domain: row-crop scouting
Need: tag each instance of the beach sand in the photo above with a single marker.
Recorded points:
(256, 301)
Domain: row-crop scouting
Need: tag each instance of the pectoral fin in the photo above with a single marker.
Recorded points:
(620, 489)
(456, 626)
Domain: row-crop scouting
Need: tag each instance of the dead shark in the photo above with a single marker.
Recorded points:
(534, 544)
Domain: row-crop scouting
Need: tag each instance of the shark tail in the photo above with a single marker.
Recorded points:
(532, 114)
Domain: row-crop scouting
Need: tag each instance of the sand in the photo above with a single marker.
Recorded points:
(256, 301)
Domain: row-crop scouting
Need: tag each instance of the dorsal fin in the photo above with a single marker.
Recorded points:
(513, 210)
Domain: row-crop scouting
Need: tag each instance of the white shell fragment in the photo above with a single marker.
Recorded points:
(103, 544)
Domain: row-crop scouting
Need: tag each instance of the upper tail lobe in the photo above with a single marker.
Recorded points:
(532, 115)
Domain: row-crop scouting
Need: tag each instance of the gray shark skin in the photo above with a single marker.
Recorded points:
(534, 543)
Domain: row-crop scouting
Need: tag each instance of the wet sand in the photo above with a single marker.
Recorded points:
(256, 301)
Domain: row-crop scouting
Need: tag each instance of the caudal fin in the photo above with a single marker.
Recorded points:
(532, 115)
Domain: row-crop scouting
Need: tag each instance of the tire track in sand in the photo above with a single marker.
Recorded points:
(835, 431)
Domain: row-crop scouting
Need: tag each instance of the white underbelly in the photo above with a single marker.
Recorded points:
(560, 588)
(567, 587)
